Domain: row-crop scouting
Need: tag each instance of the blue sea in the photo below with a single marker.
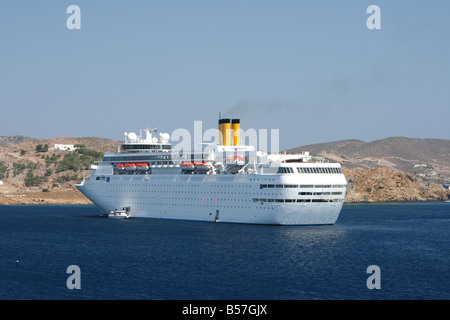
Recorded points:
(174, 260)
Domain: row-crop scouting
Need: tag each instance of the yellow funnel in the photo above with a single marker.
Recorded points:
(220, 131)
(236, 124)
(226, 132)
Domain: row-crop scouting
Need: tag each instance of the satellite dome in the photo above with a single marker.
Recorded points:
(132, 136)
(164, 137)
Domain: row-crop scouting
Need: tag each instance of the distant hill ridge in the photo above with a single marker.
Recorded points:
(98, 144)
(398, 153)
(5, 140)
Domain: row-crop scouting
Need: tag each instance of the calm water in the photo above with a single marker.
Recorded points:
(153, 259)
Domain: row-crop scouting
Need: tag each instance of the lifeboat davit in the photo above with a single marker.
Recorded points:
(187, 166)
(130, 166)
(236, 160)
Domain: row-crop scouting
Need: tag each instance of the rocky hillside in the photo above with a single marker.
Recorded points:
(33, 172)
(382, 184)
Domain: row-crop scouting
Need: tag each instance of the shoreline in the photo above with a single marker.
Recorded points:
(65, 197)
(76, 198)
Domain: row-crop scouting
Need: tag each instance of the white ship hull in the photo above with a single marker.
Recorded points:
(226, 182)
(222, 198)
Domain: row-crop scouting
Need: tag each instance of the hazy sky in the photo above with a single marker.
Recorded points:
(309, 68)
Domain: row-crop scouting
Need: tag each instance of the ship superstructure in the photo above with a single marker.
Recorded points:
(224, 182)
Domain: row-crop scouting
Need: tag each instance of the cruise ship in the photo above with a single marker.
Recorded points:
(224, 182)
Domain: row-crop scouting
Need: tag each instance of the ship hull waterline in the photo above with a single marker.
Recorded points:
(211, 209)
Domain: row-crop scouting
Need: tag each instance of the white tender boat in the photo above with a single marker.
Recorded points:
(119, 214)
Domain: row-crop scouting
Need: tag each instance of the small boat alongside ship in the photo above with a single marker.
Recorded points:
(119, 214)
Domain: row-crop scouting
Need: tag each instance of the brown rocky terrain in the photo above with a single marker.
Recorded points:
(383, 184)
(18, 150)
(71, 196)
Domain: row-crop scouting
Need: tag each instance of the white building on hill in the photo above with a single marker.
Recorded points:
(65, 147)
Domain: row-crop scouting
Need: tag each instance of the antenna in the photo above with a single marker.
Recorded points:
(220, 116)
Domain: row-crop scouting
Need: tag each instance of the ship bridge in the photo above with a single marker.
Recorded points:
(145, 142)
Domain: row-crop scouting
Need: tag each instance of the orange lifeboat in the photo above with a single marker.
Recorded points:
(130, 166)
(142, 166)
(187, 166)
(120, 167)
(203, 166)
